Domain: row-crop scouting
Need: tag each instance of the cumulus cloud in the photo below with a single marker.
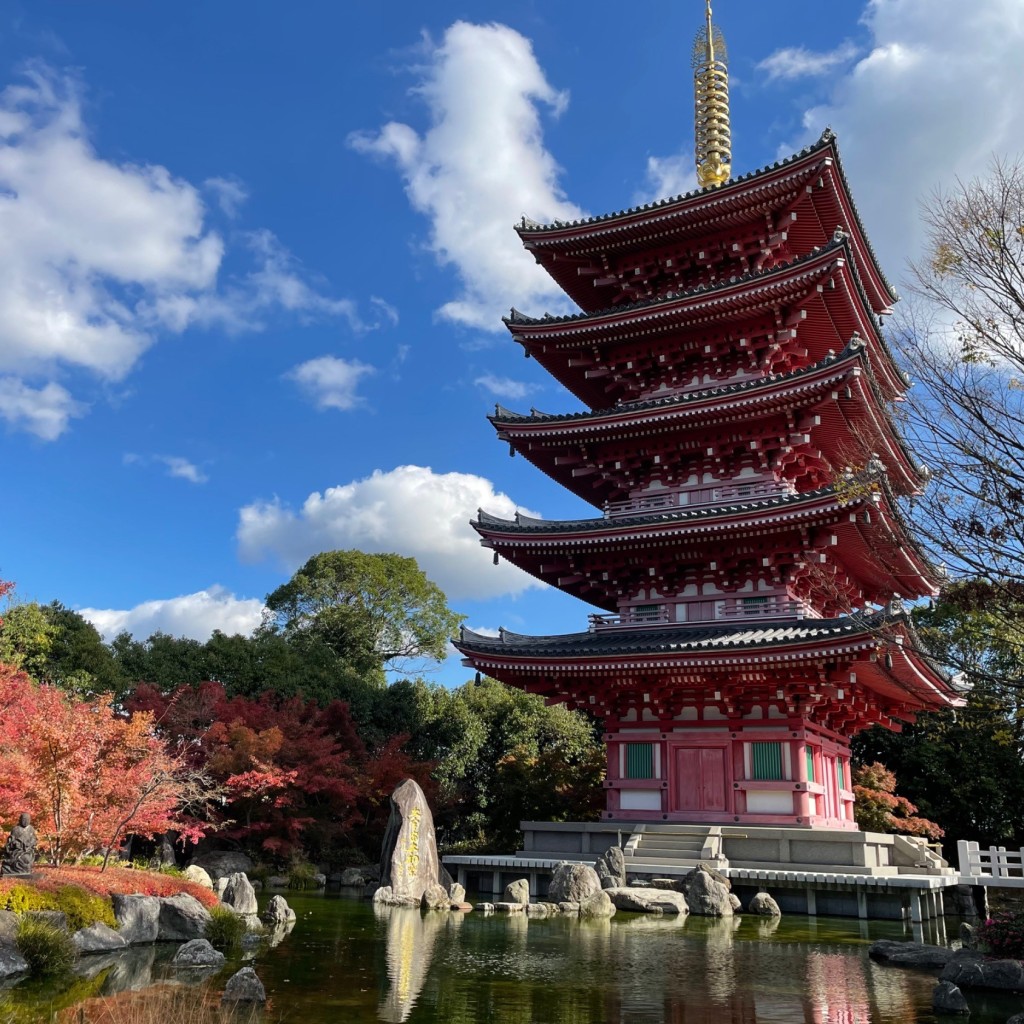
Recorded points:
(99, 258)
(936, 95)
(479, 166)
(330, 382)
(410, 510)
(43, 411)
(191, 615)
(505, 387)
(799, 62)
(669, 176)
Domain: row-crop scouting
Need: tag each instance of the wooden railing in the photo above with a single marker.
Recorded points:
(994, 866)
(772, 608)
(632, 617)
(698, 497)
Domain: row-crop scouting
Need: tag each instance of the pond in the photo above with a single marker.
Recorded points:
(347, 960)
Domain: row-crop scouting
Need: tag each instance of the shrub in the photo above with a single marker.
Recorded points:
(22, 899)
(301, 875)
(1003, 935)
(83, 908)
(225, 929)
(47, 949)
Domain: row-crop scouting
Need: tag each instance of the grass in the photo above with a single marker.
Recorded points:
(301, 876)
(225, 929)
(47, 949)
(162, 1004)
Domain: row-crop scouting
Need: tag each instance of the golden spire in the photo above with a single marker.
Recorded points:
(711, 93)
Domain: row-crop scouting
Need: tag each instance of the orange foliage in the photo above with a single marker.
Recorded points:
(87, 775)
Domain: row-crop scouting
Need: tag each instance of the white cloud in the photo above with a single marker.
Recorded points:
(937, 94)
(669, 176)
(229, 193)
(799, 62)
(410, 510)
(329, 381)
(43, 411)
(480, 166)
(183, 469)
(386, 309)
(191, 615)
(99, 258)
(505, 387)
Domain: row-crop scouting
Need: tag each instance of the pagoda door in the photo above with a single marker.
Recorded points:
(700, 779)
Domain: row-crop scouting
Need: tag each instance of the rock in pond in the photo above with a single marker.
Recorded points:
(435, 897)
(763, 905)
(517, 891)
(457, 893)
(648, 901)
(351, 877)
(182, 917)
(597, 906)
(707, 896)
(197, 953)
(573, 883)
(485, 908)
(611, 868)
(138, 918)
(239, 895)
(244, 987)
(509, 908)
(98, 938)
(947, 998)
(409, 861)
(909, 954)
(968, 970)
(12, 963)
(278, 912)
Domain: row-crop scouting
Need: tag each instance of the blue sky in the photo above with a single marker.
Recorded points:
(253, 259)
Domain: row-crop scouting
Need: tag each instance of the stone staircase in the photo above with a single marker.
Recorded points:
(673, 849)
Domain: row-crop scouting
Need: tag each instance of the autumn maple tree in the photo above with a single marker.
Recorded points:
(88, 775)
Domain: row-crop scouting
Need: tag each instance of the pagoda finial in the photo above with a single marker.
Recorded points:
(713, 149)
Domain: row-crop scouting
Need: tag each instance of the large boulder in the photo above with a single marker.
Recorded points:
(244, 987)
(763, 906)
(138, 917)
(707, 896)
(278, 912)
(457, 893)
(98, 938)
(573, 883)
(517, 891)
(611, 868)
(239, 895)
(223, 862)
(597, 906)
(648, 901)
(197, 953)
(910, 954)
(971, 971)
(706, 868)
(352, 877)
(409, 861)
(9, 922)
(182, 917)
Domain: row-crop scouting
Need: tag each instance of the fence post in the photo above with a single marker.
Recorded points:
(997, 861)
(963, 856)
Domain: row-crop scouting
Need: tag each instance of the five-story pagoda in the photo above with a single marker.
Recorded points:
(749, 557)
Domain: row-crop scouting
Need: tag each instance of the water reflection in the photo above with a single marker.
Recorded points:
(408, 953)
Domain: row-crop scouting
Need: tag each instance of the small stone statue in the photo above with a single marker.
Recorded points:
(20, 852)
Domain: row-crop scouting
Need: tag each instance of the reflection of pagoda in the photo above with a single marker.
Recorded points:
(737, 442)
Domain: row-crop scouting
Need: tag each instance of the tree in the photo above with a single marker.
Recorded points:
(877, 808)
(88, 775)
(966, 347)
(965, 768)
(371, 610)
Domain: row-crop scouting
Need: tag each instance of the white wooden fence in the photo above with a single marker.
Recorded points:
(994, 866)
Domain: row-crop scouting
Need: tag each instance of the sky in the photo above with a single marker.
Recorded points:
(254, 258)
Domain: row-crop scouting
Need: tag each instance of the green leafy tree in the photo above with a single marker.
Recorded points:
(964, 768)
(371, 610)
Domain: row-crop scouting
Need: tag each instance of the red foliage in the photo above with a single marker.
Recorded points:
(297, 775)
(879, 809)
(113, 880)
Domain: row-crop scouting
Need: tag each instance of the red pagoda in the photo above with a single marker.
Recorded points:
(748, 556)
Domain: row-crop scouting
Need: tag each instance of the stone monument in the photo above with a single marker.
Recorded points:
(409, 863)
(20, 852)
